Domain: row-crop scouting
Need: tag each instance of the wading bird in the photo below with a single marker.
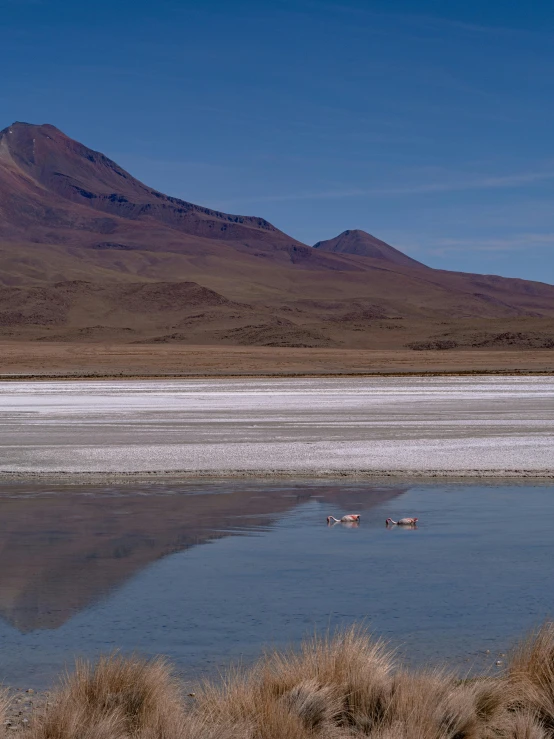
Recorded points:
(350, 518)
(401, 522)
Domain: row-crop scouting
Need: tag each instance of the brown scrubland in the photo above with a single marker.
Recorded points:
(335, 687)
(50, 360)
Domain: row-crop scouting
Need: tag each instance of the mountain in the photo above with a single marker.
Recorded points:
(363, 244)
(89, 253)
(44, 174)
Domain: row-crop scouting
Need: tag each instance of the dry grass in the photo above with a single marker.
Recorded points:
(115, 699)
(532, 674)
(4, 706)
(344, 686)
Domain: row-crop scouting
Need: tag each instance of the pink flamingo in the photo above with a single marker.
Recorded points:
(350, 518)
(402, 522)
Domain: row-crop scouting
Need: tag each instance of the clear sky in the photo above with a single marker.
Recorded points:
(428, 124)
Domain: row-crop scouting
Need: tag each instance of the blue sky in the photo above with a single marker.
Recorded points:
(428, 124)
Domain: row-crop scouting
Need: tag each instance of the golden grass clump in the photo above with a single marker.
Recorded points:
(343, 686)
(116, 698)
(436, 705)
(531, 673)
(349, 686)
(326, 685)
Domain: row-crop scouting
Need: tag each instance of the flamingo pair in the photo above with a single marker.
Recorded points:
(355, 518)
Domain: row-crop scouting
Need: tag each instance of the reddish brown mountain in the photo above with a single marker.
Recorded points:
(41, 168)
(362, 244)
(88, 253)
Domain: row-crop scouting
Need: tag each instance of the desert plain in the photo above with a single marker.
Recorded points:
(21, 359)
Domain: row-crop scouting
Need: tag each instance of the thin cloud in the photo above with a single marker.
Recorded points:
(425, 21)
(486, 182)
(515, 243)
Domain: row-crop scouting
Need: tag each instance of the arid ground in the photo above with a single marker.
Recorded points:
(425, 426)
(74, 360)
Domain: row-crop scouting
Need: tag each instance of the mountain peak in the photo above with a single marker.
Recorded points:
(40, 163)
(355, 232)
(30, 145)
(26, 130)
(25, 124)
(362, 244)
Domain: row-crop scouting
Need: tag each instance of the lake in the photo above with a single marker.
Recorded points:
(210, 573)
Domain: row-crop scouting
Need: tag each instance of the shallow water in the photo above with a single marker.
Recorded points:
(208, 574)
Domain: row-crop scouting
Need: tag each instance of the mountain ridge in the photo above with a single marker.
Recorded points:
(71, 216)
(88, 179)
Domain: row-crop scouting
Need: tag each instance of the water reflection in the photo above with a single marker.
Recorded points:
(344, 524)
(85, 571)
(62, 550)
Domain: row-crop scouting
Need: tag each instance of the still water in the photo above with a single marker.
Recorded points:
(212, 573)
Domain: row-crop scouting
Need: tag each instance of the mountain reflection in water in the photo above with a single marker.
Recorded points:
(64, 548)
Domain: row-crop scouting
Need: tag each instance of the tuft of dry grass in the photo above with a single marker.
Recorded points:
(116, 698)
(342, 686)
(531, 673)
(524, 725)
(326, 685)
(4, 706)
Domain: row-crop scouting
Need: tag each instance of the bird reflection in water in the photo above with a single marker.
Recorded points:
(405, 523)
(351, 520)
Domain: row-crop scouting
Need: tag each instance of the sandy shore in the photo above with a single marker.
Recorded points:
(418, 427)
(61, 477)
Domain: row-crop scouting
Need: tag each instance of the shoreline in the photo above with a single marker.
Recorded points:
(496, 701)
(96, 477)
(275, 375)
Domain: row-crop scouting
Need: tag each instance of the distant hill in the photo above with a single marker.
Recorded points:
(89, 253)
(362, 244)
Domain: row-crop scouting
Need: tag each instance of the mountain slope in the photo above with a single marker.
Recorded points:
(40, 162)
(89, 253)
